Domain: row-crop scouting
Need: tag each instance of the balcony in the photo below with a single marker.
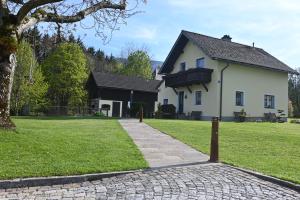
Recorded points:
(189, 77)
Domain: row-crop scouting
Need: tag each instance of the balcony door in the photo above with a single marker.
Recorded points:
(180, 102)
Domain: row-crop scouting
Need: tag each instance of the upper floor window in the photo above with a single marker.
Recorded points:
(200, 62)
(182, 66)
(269, 101)
(239, 98)
(198, 95)
(165, 101)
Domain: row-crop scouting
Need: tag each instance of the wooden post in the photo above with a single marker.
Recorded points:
(214, 146)
(141, 114)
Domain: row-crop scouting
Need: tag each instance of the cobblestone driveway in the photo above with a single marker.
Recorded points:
(209, 181)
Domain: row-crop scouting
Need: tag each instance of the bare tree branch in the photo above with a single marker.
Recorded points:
(83, 13)
(17, 1)
(38, 16)
(30, 5)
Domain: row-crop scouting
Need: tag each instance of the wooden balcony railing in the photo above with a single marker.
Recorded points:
(189, 77)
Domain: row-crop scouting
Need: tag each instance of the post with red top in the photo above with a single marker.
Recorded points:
(214, 145)
(141, 114)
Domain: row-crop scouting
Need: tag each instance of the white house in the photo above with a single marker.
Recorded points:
(210, 77)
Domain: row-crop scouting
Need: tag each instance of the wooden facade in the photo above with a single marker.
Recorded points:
(130, 97)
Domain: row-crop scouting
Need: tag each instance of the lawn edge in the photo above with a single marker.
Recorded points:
(59, 180)
(272, 179)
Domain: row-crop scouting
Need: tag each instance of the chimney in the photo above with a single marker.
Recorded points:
(226, 38)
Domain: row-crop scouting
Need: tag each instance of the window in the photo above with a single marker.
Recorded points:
(165, 101)
(198, 97)
(182, 66)
(200, 63)
(239, 98)
(269, 101)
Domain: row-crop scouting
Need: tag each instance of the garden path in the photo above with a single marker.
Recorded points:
(159, 149)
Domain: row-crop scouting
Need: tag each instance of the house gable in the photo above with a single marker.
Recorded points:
(190, 54)
(227, 51)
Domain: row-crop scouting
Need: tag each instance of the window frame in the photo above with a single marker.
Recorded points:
(242, 98)
(197, 92)
(272, 98)
(202, 59)
(165, 101)
(182, 66)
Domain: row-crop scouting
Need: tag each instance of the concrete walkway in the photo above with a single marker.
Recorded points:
(160, 150)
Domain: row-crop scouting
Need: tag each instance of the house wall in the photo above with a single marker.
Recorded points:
(255, 83)
(166, 93)
(109, 102)
(210, 99)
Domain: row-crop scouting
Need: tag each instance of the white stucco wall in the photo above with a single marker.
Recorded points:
(210, 105)
(166, 93)
(109, 102)
(255, 83)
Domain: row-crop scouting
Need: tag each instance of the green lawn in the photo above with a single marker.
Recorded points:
(66, 146)
(270, 148)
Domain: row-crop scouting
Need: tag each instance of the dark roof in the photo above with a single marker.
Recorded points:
(118, 81)
(219, 49)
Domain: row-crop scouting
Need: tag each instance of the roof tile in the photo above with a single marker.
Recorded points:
(125, 82)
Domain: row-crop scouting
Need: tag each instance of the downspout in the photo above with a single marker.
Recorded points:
(221, 91)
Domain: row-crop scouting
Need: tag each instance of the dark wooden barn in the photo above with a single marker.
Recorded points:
(120, 95)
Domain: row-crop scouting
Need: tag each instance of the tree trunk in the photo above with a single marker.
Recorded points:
(7, 69)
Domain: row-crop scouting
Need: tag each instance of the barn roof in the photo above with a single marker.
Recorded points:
(117, 81)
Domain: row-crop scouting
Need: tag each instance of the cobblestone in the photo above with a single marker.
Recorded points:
(208, 181)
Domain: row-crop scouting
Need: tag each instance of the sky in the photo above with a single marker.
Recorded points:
(273, 25)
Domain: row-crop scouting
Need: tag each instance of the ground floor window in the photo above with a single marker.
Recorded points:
(239, 98)
(198, 95)
(165, 102)
(269, 101)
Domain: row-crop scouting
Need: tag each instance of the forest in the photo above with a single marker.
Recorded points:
(52, 71)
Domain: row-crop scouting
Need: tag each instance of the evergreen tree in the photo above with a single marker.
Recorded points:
(91, 50)
(100, 55)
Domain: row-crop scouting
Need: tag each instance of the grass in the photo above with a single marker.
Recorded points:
(66, 146)
(270, 148)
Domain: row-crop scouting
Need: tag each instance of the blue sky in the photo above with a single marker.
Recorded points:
(273, 25)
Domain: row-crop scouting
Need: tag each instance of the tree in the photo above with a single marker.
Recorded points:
(294, 93)
(100, 54)
(66, 71)
(91, 50)
(37, 90)
(138, 64)
(18, 15)
(29, 87)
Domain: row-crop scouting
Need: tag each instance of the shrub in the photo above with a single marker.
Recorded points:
(99, 114)
(158, 112)
(295, 121)
(168, 111)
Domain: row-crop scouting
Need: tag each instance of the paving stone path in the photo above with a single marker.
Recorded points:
(160, 149)
(206, 181)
